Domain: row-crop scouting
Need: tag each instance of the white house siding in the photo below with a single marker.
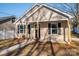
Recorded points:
(43, 30)
(64, 30)
(44, 14)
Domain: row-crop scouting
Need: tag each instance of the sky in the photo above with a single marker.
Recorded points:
(17, 9)
(9, 9)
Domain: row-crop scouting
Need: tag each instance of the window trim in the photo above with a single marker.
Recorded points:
(50, 30)
(54, 28)
(19, 30)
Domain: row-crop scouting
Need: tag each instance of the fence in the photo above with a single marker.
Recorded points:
(7, 34)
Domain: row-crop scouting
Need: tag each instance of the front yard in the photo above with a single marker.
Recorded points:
(45, 49)
(60, 49)
(55, 49)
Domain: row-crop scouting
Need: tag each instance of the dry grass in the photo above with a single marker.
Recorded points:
(7, 43)
(45, 49)
(59, 49)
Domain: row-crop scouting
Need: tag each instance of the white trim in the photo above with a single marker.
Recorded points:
(21, 29)
(54, 28)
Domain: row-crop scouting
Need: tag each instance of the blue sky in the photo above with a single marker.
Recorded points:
(17, 9)
(7, 9)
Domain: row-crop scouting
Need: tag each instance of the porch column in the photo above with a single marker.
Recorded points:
(26, 29)
(69, 32)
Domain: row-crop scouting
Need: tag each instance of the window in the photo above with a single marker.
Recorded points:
(54, 28)
(21, 28)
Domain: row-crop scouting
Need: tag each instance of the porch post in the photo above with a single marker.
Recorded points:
(26, 29)
(69, 32)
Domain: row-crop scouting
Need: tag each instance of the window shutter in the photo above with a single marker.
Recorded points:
(24, 28)
(49, 28)
(18, 29)
(29, 28)
(59, 25)
(59, 30)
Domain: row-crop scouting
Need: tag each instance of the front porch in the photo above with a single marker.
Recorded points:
(55, 31)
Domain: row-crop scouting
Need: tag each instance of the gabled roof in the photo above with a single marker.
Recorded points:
(44, 5)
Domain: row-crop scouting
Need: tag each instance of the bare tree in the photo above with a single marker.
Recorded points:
(75, 20)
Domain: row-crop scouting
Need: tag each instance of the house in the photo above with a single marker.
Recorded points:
(7, 22)
(7, 27)
(46, 23)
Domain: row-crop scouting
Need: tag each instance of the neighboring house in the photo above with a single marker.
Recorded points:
(7, 22)
(44, 22)
(6, 26)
